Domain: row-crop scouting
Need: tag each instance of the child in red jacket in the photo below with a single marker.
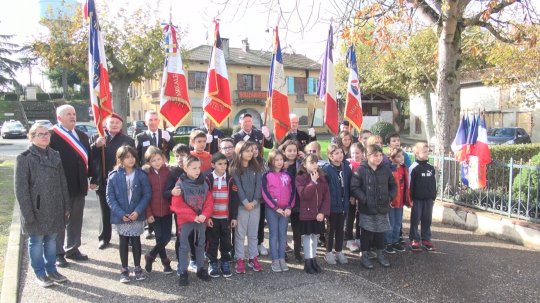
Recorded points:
(401, 175)
(314, 194)
(192, 208)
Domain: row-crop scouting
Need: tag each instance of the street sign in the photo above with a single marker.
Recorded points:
(9, 114)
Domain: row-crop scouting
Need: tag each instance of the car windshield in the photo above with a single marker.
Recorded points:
(502, 132)
(12, 126)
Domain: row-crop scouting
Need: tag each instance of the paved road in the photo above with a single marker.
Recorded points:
(466, 268)
(10, 148)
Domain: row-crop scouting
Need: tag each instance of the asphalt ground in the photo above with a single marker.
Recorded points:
(465, 268)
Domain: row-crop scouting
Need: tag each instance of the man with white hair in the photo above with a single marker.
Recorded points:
(113, 140)
(301, 137)
(74, 150)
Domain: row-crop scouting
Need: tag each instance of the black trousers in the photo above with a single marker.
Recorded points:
(369, 239)
(260, 232)
(105, 222)
(349, 225)
(135, 248)
(219, 237)
(334, 233)
(162, 228)
(297, 237)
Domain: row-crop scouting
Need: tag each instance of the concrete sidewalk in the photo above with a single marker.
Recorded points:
(465, 268)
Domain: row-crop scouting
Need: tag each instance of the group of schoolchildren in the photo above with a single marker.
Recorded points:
(216, 203)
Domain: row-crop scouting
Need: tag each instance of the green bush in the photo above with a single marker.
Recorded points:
(382, 129)
(515, 151)
(521, 188)
(181, 139)
(11, 97)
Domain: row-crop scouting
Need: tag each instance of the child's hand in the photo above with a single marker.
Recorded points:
(210, 223)
(126, 218)
(176, 191)
(133, 216)
(151, 219)
(287, 212)
(196, 220)
(249, 206)
(314, 176)
(233, 223)
(320, 217)
(280, 211)
(201, 218)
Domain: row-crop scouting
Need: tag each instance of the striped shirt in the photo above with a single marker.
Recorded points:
(220, 192)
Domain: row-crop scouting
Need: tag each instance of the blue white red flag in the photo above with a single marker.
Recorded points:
(353, 107)
(98, 74)
(326, 88)
(460, 141)
(174, 103)
(277, 92)
(217, 94)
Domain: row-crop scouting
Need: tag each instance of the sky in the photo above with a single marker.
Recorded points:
(21, 18)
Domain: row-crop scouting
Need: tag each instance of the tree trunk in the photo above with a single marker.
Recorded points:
(120, 98)
(448, 80)
(65, 83)
(428, 122)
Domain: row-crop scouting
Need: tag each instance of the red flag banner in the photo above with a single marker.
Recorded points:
(98, 74)
(175, 105)
(217, 95)
(353, 107)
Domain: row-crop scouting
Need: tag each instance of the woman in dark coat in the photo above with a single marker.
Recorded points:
(42, 195)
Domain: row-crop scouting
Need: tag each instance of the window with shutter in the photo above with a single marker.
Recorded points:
(240, 82)
(257, 82)
(191, 80)
(290, 84)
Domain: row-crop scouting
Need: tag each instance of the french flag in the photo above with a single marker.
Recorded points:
(174, 101)
(481, 148)
(326, 89)
(217, 94)
(98, 74)
(353, 107)
(460, 141)
(277, 92)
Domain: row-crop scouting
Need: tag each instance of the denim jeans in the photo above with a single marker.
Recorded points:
(42, 252)
(277, 224)
(396, 218)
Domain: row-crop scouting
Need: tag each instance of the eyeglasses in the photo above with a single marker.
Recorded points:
(227, 148)
(42, 135)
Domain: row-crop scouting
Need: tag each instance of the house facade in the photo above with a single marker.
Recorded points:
(248, 73)
(494, 100)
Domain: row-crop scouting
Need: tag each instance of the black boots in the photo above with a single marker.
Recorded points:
(382, 258)
(316, 266)
(308, 266)
(366, 262)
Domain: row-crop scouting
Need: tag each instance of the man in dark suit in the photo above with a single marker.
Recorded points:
(104, 148)
(153, 136)
(156, 137)
(74, 150)
(248, 133)
(301, 137)
(213, 135)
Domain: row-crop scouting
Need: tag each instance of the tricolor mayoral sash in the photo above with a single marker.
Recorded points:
(73, 142)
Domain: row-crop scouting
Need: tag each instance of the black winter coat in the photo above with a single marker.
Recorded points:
(374, 189)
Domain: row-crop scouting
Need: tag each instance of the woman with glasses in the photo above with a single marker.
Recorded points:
(42, 195)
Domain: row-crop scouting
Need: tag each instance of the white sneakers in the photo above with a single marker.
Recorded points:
(338, 257)
(262, 250)
(353, 246)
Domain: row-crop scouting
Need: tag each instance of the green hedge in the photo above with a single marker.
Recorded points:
(382, 129)
(10, 96)
(181, 139)
(515, 151)
(526, 183)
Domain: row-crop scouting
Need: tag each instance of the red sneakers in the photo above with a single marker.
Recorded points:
(415, 246)
(427, 245)
(255, 265)
(240, 267)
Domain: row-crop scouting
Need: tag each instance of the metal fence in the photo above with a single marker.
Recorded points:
(512, 188)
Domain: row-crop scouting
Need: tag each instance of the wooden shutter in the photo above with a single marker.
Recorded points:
(290, 82)
(311, 86)
(240, 82)
(257, 86)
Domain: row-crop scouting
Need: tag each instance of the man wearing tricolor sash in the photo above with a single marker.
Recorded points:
(74, 149)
